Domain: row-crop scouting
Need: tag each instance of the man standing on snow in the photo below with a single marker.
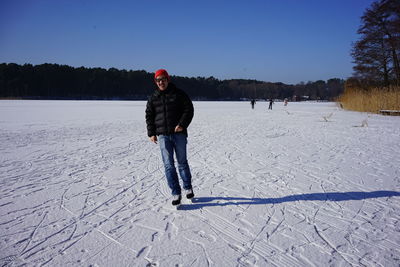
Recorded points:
(252, 102)
(169, 112)
(270, 103)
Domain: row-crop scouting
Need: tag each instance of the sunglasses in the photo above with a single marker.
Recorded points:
(164, 79)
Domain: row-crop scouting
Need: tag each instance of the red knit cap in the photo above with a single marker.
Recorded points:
(161, 72)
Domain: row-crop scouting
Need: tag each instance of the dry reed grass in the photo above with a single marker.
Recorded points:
(372, 100)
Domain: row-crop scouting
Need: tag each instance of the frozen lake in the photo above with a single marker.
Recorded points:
(303, 185)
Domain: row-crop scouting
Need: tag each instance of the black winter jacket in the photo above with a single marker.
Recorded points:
(167, 109)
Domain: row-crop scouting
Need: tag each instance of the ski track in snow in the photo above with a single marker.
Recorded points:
(302, 185)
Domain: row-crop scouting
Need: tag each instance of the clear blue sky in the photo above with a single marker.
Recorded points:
(269, 40)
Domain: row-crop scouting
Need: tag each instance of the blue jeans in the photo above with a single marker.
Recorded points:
(168, 144)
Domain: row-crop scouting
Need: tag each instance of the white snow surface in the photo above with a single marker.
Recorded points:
(304, 185)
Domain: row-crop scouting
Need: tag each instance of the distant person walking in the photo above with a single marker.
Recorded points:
(285, 102)
(252, 102)
(169, 112)
(270, 103)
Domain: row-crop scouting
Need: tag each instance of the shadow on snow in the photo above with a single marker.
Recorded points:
(200, 202)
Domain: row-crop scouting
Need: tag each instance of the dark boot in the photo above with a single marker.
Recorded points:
(189, 193)
(176, 200)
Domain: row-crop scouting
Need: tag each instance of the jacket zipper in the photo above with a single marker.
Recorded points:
(165, 116)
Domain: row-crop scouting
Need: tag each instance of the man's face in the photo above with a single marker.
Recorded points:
(162, 82)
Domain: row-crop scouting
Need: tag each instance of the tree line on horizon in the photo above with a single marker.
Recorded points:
(54, 81)
(377, 52)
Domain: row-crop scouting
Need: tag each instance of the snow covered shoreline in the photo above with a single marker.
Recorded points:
(303, 185)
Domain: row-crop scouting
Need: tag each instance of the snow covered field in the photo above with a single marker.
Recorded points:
(81, 185)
